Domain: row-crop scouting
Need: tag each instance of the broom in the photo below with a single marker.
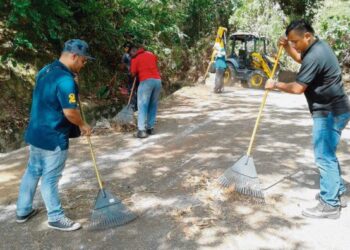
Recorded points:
(108, 211)
(208, 68)
(125, 116)
(242, 175)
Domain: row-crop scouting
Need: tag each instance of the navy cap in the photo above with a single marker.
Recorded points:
(77, 46)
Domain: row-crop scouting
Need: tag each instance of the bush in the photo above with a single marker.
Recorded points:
(335, 30)
(169, 28)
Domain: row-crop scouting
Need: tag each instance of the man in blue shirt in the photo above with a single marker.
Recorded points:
(54, 118)
(320, 79)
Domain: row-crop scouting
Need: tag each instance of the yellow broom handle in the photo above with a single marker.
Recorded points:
(263, 103)
(94, 161)
(132, 90)
(91, 150)
(210, 63)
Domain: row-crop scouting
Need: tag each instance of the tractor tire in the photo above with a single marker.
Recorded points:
(230, 76)
(257, 80)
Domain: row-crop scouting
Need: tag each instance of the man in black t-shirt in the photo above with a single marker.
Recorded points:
(320, 79)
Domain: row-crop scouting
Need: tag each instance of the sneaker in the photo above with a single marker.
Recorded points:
(64, 224)
(150, 131)
(141, 134)
(322, 210)
(343, 202)
(22, 219)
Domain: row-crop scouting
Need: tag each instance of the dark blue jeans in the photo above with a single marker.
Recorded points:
(326, 136)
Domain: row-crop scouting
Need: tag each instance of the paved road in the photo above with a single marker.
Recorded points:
(169, 180)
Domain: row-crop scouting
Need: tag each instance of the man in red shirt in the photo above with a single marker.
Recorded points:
(144, 66)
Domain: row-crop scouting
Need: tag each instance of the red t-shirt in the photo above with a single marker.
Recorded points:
(144, 65)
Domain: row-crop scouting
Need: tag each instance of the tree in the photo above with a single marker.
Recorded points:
(297, 9)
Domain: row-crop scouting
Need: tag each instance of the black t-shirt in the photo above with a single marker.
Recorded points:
(126, 59)
(321, 72)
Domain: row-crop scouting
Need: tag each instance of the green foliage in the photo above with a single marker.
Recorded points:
(203, 15)
(297, 9)
(38, 20)
(172, 29)
(261, 17)
(336, 31)
(332, 24)
(153, 23)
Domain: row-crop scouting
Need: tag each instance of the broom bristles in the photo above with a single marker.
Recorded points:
(125, 116)
(242, 184)
(242, 177)
(111, 216)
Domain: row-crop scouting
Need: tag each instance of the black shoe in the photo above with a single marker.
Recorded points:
(64, 224)
(150, 131)
(141, 134)
(342, 201)
(322, 210)
(22, 219)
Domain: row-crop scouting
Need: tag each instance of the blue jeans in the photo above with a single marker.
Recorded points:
(326, 136)
(49, 166)
(147, 102)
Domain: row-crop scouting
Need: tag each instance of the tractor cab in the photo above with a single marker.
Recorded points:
(248, 61)
(243, 44)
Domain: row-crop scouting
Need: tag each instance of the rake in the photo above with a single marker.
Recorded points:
(209, 66)
(242, 175)
(108, 211)
(125, 116)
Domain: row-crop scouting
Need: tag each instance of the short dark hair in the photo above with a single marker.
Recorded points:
(299, 25)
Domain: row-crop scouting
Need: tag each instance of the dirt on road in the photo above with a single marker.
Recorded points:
(169, 179)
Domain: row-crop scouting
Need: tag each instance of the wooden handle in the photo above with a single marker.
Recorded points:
(263, 103)
(91, 150)
(132, 90)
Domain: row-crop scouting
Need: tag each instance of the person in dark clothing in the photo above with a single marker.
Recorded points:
(320, 79)
(126, 61)
(54, 118)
